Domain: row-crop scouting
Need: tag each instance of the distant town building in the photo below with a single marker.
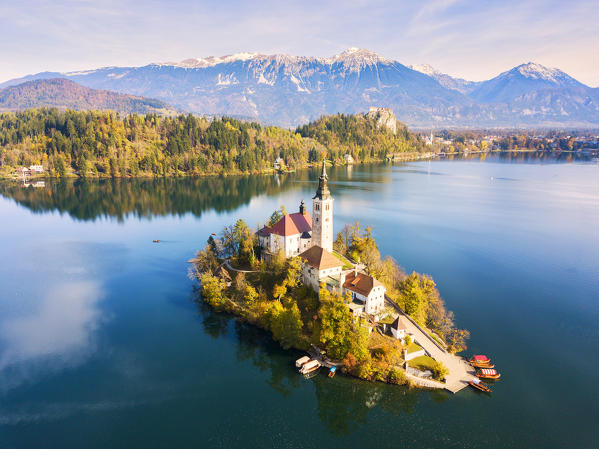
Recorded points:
(279, 163)
(348, 158)
(430, 139)
(25, 172)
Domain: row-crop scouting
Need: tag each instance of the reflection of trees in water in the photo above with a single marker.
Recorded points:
(343, 402)
(88, 200)
(536, 156)
(256, 345)
(252, 344)
(523, 156)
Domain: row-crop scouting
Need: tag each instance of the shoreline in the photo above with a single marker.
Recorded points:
(456, 379)
(397, 157)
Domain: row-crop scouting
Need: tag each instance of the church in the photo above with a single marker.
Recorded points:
(297, 232)
(310, 237)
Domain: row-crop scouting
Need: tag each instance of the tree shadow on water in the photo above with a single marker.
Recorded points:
(343, 403)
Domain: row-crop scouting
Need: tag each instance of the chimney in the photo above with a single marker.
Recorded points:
(342, 278)
(302, 208)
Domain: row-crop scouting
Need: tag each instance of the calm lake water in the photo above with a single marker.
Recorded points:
(102, 342)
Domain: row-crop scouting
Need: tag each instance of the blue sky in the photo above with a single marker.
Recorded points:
(471, 39)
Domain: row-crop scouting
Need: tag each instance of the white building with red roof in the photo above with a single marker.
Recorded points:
(366, 291)
(320, 266)
(292, 234)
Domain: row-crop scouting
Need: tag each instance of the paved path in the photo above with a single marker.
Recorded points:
(228, 265)
(460, 371)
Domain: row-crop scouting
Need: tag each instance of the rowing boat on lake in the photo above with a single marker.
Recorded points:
(486, 373)
(476, 383)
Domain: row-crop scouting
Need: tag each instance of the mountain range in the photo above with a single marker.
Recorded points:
(66, 94)
(291, 90)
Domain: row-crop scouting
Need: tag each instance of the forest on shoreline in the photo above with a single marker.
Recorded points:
(104, 144)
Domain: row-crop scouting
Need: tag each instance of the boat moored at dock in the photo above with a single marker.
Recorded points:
(481, 365)
(480, 360)
(486, 373)
(479, 385)
(301, 361)
(309, 367)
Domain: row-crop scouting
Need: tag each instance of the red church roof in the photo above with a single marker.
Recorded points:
(292, 224)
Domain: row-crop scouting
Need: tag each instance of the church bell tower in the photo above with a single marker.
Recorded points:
(322, 213)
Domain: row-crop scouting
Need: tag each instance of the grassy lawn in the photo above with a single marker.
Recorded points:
(423, 363)
(346, 263)
(388, 319)
(413, 347)
(383, 347)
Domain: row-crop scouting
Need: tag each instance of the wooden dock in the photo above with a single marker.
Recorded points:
(460, 371)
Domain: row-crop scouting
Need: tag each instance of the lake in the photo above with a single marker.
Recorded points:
(103, 342)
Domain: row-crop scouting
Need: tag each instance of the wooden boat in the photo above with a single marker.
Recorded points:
(332, 371)
(309, 367)
(480, 359)
(156, 241)
(299, 362)
(481, 365)
(486, 373)
(476, 383)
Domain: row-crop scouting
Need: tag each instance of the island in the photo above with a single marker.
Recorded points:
(337, 298)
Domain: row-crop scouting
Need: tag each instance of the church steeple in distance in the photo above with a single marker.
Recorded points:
(323, 192)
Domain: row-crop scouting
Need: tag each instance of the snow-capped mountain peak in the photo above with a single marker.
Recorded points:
(357, 57)
(426, 69)
(212, 60)
(538, 71)
(458, 84)
(290, 90)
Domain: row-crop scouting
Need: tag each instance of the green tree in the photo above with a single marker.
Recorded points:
(439, 371)
(414, 298)
(336, 325)
(285, 324)
(276, 216)
(205, 260)
(212, 290)
(251, 295)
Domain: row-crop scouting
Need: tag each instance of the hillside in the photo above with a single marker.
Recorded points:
(101, 144)
(293, 90)
(66, 94)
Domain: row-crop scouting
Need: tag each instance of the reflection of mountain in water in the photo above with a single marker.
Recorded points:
(88, 200)
(343, 402)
